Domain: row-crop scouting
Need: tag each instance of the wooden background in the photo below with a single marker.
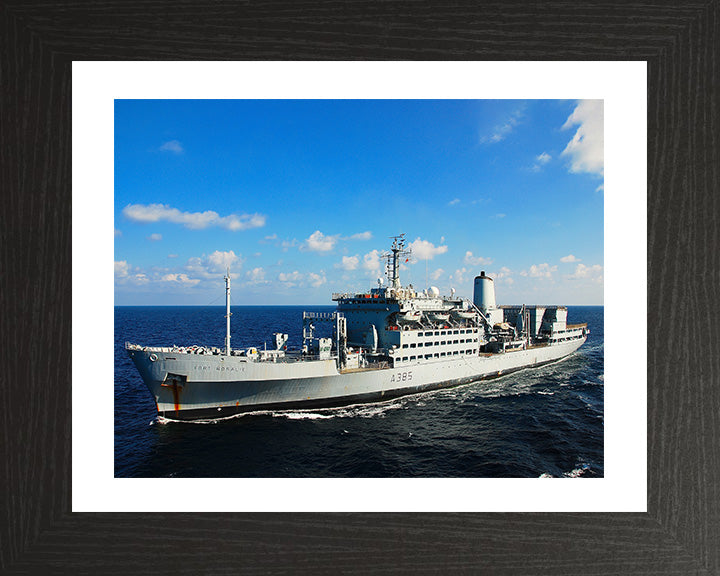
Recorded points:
(681, 532)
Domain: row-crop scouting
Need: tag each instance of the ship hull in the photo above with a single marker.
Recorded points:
(196, 387)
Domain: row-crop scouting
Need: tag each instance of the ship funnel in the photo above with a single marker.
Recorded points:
(484, 293)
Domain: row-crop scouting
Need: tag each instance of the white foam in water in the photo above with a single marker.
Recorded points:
(577, 472)
(302, 415)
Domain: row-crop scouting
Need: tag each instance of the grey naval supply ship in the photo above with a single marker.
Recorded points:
(387, 342)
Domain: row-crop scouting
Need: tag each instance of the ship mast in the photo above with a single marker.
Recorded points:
(393, 260)
(227, 312)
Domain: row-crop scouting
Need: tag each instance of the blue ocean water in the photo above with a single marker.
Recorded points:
(540, 422)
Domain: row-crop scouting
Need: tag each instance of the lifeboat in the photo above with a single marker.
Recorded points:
(438, 316)
(409, 317)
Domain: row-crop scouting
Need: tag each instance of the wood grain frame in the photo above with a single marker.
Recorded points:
(680, 533)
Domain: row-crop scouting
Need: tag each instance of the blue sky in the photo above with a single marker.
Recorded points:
(299, 198)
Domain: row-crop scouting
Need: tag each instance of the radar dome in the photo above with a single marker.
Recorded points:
(434, 291)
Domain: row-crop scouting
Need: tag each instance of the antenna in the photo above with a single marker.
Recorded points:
(393, 260)
(227, 312)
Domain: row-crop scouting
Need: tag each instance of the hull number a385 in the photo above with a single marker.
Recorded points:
(401, 377)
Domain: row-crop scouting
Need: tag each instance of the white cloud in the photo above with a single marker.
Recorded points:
(454, 201)
(319, 242)
(502, 131)
(215, 264)
(424, 250)
(475, 260)
(543, 270)
(586, 149)
(117, 233)
(172, 256)
(287, 244)
(437, 274)
(316, 280)
(540, 161)
(183, 279)
(543, 158)
(593, 273)
(349, 263)
(371, 263)
(600, 188)
(290, 277)
(123, 274)
(569, 258)
(367, 235)
(459, 276)
(172, 146)
(271, 237)
(193, 220)
(121, 269)
(296, 278)
(256, 276)
(503, 275)
(155, 237)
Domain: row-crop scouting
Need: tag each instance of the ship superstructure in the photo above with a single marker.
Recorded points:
(389, 341)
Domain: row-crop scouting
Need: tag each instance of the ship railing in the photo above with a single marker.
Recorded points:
(320, 315)
(131, 346)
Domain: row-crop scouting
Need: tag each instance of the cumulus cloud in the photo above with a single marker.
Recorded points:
(124, 275)
(316, 280)
(121, 269)
(424, 250)
(541, 160)
(256, 276)
(193, 220)
(371, 263)
(475, 260)
(155, 237)
(215, 264)
(172, 146)
(503, 130)
(183, 279)
(569, 258)
(586, 149)
(290, 276)
(172, 256)
(454, 201)
(593, 273)
(503, 275)
(296, 278)
(349, 263)
(459, 276)
(319, 242)
(543, 270)
(437, 274)
(367, 235)
(117, 233)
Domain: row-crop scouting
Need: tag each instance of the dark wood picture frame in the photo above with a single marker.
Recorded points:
(680, 533)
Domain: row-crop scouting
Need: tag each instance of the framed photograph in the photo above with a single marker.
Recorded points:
(652, 505)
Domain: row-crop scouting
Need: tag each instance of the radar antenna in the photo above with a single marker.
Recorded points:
(397, 251)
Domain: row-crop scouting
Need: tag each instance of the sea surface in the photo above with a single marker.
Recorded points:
(543, 422)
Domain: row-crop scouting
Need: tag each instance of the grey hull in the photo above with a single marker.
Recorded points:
(191, 386)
